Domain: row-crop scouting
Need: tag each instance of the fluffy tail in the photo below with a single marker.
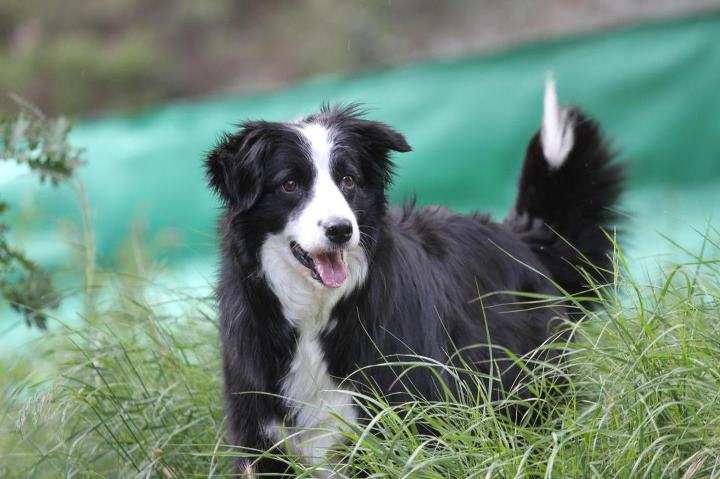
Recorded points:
(568, 191)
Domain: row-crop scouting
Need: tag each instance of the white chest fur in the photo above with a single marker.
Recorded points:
(319, 408)
(312, 395)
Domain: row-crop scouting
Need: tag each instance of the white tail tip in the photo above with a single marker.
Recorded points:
(556, 135)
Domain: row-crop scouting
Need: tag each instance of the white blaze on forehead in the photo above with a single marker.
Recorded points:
(326, 202)
(320, 142)
(557, 136)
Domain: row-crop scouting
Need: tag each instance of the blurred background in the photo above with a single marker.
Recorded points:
(87, 58)
(151, 84)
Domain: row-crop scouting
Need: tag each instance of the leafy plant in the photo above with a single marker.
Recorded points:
(40, 143)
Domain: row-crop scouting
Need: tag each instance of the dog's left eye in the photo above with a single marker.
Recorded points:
(347, 182)
(290, 186)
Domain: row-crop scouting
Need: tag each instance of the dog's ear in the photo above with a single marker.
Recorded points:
(381, 137)
(378, 140)
(235, 166)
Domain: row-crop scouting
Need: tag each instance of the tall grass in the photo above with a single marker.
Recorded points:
(134, 391)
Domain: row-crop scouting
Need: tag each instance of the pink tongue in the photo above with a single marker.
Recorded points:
(331, 268)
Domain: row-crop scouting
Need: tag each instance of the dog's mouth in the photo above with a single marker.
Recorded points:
(328, 268)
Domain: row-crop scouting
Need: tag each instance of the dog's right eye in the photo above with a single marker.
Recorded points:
(289, 186)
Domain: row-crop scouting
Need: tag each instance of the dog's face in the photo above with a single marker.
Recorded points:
(306, 195)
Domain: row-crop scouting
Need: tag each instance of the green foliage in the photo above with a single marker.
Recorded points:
(135, 392)
(40, 143)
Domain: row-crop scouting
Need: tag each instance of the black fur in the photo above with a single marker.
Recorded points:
(426, 265)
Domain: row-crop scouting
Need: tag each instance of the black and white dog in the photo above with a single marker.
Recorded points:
(321, 277)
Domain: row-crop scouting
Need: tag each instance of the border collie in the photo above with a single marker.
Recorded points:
(320, 277)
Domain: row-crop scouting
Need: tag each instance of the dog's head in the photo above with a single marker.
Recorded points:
(306, 194)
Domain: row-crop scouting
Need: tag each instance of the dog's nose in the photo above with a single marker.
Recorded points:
(339, 231)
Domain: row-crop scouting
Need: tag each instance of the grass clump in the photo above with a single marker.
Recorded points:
(134, 391)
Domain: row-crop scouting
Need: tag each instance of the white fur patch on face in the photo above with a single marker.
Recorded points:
(557, 134)
(306, 302)
(326, 201)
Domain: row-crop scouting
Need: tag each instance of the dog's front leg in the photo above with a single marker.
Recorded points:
(248, 415)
